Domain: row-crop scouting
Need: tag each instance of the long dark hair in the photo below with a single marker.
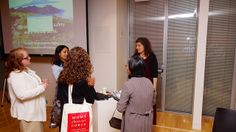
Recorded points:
(146, 44)
(56, 58)
(136, 66)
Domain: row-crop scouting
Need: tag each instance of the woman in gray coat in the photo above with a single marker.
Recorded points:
(136, 99)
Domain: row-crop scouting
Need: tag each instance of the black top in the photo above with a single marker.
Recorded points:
(151, 67)
(80, 91)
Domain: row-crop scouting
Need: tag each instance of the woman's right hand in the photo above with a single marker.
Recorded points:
(45, 83)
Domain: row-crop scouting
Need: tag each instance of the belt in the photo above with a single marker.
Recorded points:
(147, 113)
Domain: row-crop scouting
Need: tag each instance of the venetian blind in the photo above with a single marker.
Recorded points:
(182, 29)
(221, 43)
(147, 20)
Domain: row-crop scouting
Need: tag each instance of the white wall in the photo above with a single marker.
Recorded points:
(108, 44)
(122, 41)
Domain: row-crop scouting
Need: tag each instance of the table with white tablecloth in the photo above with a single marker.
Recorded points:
(102, 113)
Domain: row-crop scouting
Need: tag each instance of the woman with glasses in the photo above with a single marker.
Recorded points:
(26, 90)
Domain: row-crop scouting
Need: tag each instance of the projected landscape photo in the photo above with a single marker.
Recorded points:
(41, 23)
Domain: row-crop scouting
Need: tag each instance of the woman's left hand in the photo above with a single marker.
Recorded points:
(91, 81)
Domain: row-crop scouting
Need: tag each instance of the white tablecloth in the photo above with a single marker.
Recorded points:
(102, 113)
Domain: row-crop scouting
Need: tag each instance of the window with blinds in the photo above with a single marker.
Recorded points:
(144, 22)
(221, 43)
(181, 45)
(146, 19)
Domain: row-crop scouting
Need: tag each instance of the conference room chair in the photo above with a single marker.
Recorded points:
(225, 120)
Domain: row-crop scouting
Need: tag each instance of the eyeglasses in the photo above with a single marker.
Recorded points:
(26, 58)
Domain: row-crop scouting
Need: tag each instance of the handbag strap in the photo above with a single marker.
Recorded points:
(113, 113)
(70, 88)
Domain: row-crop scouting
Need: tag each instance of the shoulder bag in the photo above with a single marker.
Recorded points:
(76, 117)
(115, 122)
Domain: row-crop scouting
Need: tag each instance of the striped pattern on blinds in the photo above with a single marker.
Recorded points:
(182, 29)
(147, 20)
(221, 43)
(144, 23)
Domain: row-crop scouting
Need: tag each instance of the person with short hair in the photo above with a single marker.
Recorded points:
(136, 100)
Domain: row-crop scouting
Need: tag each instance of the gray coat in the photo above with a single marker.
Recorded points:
(136, 104)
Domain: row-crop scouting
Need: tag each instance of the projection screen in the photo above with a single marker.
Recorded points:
(41, 25)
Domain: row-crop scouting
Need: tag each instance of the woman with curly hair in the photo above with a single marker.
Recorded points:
(26, 91)
(77, 70)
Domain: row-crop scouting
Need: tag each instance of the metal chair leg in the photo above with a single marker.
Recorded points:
(3, 92)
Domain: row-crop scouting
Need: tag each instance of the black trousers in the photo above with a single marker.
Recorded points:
(154, 122)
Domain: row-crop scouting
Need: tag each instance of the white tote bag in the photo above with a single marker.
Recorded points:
(76, 117)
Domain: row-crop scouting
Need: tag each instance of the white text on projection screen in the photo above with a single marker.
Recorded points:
(41, 25)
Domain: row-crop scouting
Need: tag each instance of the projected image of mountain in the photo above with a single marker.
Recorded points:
(41, 23)
(47, 10)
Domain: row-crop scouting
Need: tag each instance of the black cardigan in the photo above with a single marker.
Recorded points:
(81, 90)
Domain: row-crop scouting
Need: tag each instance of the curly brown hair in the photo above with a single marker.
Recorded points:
(14, 61)
(77, 66)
